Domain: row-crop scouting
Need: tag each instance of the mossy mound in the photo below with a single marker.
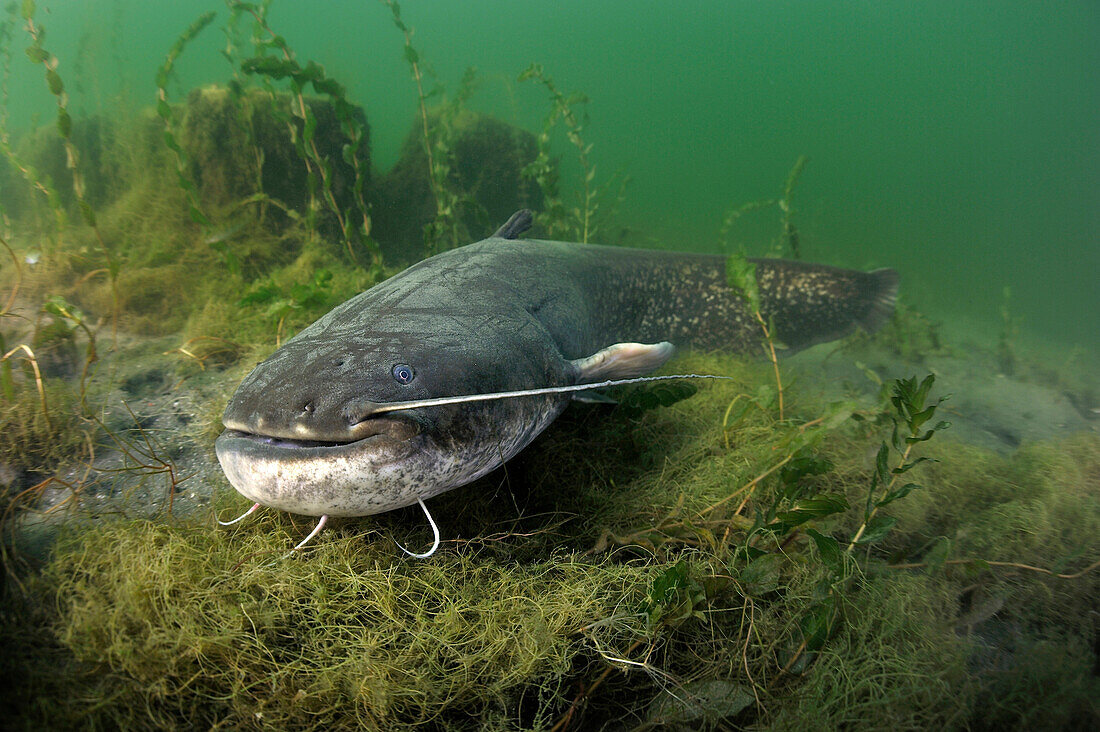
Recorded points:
(488, 157)
(353, 633)
(241, 144)
(97, 140)
(589, 582)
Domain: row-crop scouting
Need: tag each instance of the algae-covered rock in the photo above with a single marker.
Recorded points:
(42, 152)
(488, 157)
(238, 145)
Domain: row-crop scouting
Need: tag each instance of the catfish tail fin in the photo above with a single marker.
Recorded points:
(881, 297)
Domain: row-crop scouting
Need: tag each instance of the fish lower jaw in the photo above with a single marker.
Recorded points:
(359, 479)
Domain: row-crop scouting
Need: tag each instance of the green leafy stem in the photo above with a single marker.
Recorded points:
(319, 168)
(543, 170)
(38, 54)
(164, 111)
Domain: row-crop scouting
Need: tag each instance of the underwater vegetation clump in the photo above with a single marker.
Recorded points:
(352, 635)
(673, 561)
(484, 157)
(34, 439)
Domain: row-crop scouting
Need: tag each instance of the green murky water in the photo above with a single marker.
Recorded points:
(957, 142)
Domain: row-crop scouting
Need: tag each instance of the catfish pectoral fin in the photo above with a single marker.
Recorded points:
(623, 361)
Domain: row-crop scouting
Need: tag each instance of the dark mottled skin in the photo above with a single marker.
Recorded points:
(506, 314)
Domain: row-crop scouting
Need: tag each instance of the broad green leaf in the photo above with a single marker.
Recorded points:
(53, 79)
(906, 467)
(64, 124)
(262, 294)
(882, 465)
(877, 529)
(898, 493)
(37, 55)
(741, 276)
(808, 509)
(816, 623)
(761, 575)
(829, 550)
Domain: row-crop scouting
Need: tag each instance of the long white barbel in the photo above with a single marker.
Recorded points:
(382, 407)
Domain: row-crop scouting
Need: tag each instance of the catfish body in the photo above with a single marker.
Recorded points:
(500, 315)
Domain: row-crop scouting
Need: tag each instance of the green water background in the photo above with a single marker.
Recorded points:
(958, 142)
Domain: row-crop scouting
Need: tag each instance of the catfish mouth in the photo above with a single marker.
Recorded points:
(346, 471)
(388, 429)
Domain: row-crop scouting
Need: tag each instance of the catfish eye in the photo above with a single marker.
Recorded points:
(403, 373)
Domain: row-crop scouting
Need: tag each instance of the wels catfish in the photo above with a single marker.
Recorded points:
(355, 415)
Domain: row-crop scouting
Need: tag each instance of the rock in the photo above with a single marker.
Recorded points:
(488, 157)
(237, 146)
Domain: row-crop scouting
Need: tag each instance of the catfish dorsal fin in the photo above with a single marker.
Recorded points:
(622, 361)
(518, 223)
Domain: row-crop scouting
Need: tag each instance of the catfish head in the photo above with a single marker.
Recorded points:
(303, 433)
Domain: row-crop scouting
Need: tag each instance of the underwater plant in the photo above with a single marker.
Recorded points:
(7, 29)
(7, 380)
(581, 222)
(320, 170)
(165, 112)
(788, 231)
(28, 172)
(282, 302)
(439, 130)
(741, 276)
(911, 411)
(446, 231)
(38, 54)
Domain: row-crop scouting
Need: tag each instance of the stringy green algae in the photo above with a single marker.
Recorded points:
(147, 624)
(353, 632)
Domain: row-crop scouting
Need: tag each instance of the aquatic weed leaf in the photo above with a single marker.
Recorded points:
(913, 439)
(263, 293)
(59, 307)
(906, 467)
(882, 464)
(761, 575)
(877, 529)
(666, 584)
(275, 68)
(741, 276)
(808, 509)
(829, 549)
(816, 623)
(898, 493)
(674, 596)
